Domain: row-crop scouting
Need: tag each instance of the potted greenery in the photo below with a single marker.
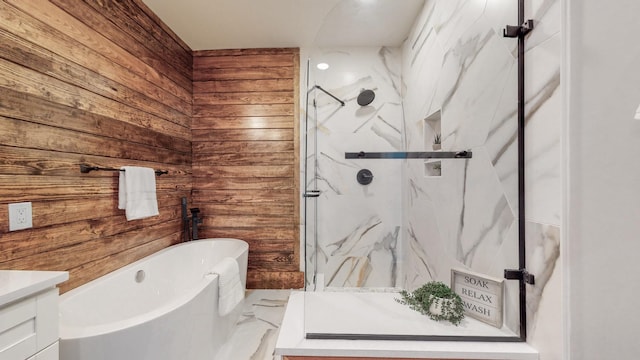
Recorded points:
(437, 141)
(435, 300)
(437, 168)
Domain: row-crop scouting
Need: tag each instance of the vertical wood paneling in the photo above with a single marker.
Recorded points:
(103, 83)
(245, 156)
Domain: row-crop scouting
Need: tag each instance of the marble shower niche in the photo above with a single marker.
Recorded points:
(432, 134)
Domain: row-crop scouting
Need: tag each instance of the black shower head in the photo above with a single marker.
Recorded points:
(366, 97)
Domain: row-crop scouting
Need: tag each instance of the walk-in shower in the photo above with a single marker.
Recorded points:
(423, 185)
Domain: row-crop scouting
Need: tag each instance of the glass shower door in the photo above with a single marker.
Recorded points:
(358, 224)
(311, 193)
(418, 220)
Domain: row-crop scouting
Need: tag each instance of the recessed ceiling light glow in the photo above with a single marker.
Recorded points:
(322, 66)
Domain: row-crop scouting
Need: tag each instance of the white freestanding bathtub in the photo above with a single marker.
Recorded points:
(162, 307)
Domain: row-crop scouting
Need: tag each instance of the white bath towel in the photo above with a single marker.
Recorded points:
(230, 289)
(137, 192)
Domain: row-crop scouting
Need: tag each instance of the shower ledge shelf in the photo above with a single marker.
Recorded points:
(292, 342)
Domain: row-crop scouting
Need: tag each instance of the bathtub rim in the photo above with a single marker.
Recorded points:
(71, 332)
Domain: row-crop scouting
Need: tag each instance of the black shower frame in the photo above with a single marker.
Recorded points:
(521, 274)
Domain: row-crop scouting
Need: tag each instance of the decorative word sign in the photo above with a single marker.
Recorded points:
(481, 295)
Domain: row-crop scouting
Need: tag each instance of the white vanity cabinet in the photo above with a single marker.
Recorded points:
(51, 352)
(29, 314)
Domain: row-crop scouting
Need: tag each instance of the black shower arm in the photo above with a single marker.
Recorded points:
(330, 94)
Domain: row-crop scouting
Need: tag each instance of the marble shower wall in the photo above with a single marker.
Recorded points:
(544, 185)
(358, 226)
(456, 62)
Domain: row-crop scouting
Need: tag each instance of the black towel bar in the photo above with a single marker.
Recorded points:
(84, 168)
(464, 154)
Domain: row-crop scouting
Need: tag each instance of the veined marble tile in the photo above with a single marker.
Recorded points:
(507, 258)
(502, 139)
(464, 218)
(498, 14)
(427, 259)
(446, 194)
(481, 67)
(486, 216)
(365, 256)
(256, 332)
(421, 30)
(423, 251)
(543, 133)
(352, 68)
(453, 18)
(354, 119)
(338, 176)
(544, 316)
(419, 269)
(546, 15)
(391, 71)
(421, 98)
(543, 254)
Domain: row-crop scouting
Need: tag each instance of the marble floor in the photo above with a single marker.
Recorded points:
(256, 332)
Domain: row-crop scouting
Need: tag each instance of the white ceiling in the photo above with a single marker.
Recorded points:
(233, 24)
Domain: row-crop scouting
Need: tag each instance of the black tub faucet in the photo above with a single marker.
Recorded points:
(190, 223)
(195, 221)
(185, 221)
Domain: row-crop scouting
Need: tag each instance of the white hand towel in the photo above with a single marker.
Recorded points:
(230, 289)
(638, 113)
(137, 192)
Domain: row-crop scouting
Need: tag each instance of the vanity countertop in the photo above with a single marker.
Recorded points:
(16, 284)
(291, 342)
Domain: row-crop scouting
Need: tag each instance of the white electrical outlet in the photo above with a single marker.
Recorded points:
(20, 216)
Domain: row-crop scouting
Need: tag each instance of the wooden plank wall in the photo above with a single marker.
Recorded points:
(245, 157)
(97, 82)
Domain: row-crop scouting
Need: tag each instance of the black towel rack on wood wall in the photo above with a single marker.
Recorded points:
(84, 168)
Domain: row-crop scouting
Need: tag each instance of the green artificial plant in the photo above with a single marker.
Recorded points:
(437, 138)
(438, 294)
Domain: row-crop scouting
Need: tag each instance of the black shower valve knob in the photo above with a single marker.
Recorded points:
(364, 177)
